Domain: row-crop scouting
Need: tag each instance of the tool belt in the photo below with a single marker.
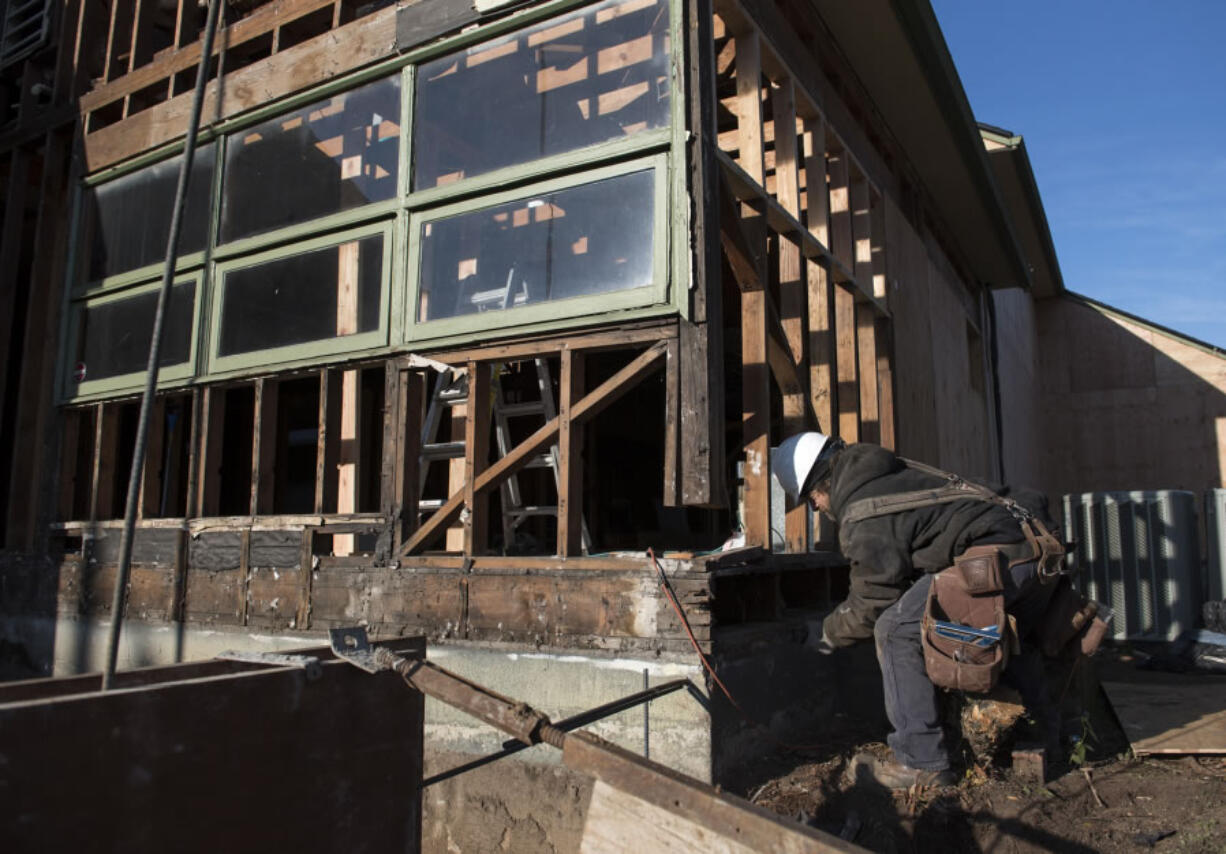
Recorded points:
(966, 605)
(1072, 624)
(967, 599)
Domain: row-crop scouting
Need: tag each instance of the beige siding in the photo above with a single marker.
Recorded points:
(1128, 407)
(942, 417)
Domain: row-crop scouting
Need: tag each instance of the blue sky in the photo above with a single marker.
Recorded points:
(1122, 104)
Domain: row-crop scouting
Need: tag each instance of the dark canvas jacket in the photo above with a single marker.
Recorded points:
(887, 553)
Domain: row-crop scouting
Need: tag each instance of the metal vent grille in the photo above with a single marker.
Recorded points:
(1139, 552)
(1215, 528)
(25, 28)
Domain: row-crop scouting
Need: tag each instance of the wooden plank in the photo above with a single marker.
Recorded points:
(700, 337)
(393, 446)
(848, 394)
(212, 419)
(820, 297)
(750, 155)
(306, 569)
(243, 588)
(327, 450)
(642, 805)
(570, 448)
(261, 21)
(591, 405)
(324, 57)
(193, 452)
(1171, 715)
(793, 307)
(150, 499)
(413, 409)
(264, 447)
(886, 416)
(477, 457)
(554, 344)
(672, 405)
(106, 446)
(866, 351)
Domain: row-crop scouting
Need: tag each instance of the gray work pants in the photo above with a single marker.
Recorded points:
(911, 700)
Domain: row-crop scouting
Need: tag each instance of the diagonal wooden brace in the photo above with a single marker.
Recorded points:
(591, 405)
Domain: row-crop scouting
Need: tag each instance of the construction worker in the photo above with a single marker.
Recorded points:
(893, 557)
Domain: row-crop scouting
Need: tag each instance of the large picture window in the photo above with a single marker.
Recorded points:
(112, 335)
(330, 156)
(319, 295)
(597, 74)
(128, 219)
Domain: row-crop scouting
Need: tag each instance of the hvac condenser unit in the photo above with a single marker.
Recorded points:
(1139, 553)
(1215, 529)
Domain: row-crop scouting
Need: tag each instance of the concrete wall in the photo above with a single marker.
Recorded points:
(1127, 406)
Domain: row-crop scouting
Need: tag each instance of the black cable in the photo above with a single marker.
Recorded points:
(155, 347)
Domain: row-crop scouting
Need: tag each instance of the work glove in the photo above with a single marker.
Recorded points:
(817, 640)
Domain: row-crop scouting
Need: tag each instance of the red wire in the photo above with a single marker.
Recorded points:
(667, 588)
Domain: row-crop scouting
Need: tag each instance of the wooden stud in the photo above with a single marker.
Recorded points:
(476, 457)
(393, 443)
(210, 455)
(264, 447)
(106, 446)
(672, 421)
(243, 588)
(153, 475)
(866, 333)
(820, 302)
(592, 404)
(306, 568)
(701, 467)
(848, 393)
(570, 447)
(412, 409)
(792, 290)
(193, 453)
(327, 450)
(755, 375)
(885, 384)
(70, 448)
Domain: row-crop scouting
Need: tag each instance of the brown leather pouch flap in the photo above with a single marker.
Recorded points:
(953, 664)
(982, 569)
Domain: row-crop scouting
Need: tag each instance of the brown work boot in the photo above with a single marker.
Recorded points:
(866, 768)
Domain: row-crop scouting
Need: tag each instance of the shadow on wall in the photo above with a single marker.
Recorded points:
(1127, 405)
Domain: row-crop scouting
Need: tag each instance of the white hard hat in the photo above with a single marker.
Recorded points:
(793, 459)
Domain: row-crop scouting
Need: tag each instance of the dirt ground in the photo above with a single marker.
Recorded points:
(1111, 801)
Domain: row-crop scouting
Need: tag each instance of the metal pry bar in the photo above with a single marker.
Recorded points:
(512, 717)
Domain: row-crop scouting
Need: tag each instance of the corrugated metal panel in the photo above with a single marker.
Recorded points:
(25, 28)
(1139, 552)
(1215, 528)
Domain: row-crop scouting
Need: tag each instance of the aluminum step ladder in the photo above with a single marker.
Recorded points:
(449, 390)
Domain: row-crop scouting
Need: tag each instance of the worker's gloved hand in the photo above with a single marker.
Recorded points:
(817, 639)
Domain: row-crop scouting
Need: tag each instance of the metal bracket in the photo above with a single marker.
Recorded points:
(350, 643)
(307, 663)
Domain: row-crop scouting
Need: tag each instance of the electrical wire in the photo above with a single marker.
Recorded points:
(155, 346)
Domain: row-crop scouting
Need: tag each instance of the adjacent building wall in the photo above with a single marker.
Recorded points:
(1128, 405)
(1022, 430)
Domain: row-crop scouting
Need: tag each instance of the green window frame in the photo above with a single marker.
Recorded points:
(375, 338)
(169, 374)
(662, 149)
(551, 313)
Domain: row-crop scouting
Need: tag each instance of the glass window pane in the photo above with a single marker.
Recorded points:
(333, 155)
(586, 77)
(321, 294)
(130, 217)
(114, 336)
(583, 240)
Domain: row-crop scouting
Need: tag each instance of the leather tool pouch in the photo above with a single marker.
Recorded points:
(961, 665)
(1072, 623)
(982, 569)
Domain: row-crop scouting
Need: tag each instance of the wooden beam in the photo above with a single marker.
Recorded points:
(153, 475)
(885, 384)
(553, 344)
(212, 435)
(477, 458)
(866, 334)
(393, 445)
(412, 409)
(327, 448)
(842, 244)
(591, 405)
(366, 40)
(264, 447)
(792, 291)
(672, 421)
(820, 297)
(701, 465)
(570, 448)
